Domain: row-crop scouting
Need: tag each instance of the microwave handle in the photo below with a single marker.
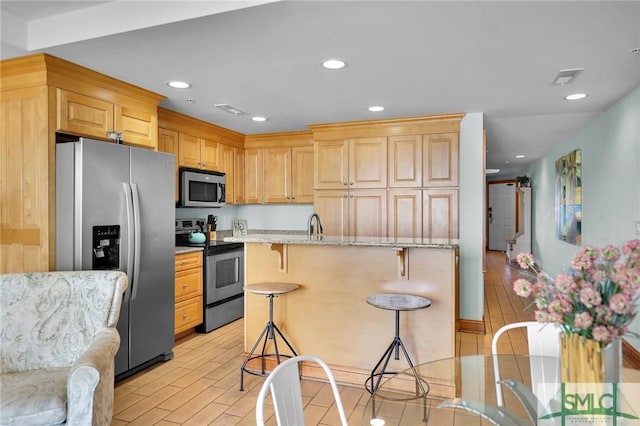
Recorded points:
(221, 192)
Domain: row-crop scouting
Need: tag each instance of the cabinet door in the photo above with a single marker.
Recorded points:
(302, 174)
(168, 141)
(83, 115)
(405, 161)
(253, 176)
(277, 175)
(440, 160)
(189, 151)
(331, 164)
(368, 163)
(139, 128)
(331, 206)
(368, 213)
(226, 160)
(440, 213)
(405, 213)
(209, 154)
(238, 188)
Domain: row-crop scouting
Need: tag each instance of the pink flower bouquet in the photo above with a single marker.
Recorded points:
(597, 298)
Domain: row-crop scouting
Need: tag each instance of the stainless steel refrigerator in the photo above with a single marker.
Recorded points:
(115, 209)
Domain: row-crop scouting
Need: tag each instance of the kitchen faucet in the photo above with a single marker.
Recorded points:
(310, 226)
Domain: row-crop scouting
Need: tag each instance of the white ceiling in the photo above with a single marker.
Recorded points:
(415, 58)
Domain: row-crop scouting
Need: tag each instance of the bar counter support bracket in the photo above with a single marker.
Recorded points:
(403, 262)
(283, 256)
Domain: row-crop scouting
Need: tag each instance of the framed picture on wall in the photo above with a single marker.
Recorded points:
(569, 197)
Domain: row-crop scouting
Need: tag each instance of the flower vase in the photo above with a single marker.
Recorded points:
(584, 361)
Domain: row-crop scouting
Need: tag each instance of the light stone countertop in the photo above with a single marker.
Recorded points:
(186, 249)
(442, 243)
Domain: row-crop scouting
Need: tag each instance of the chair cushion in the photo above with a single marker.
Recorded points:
(36, 397)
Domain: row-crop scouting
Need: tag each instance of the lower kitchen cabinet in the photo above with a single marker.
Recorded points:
(188, 287)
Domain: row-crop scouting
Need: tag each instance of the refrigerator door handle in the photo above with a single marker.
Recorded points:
(136, 240)
(129, 203)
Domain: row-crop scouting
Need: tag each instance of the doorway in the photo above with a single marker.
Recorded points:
(501, 214)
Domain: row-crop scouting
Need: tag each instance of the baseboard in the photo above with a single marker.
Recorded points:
(471, 326)
(631, 355)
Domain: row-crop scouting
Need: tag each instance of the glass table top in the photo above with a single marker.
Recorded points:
(471, 378)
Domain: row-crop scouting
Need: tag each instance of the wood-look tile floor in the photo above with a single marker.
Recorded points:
(200, 385)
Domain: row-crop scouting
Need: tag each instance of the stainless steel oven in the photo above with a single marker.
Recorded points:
(223, 276)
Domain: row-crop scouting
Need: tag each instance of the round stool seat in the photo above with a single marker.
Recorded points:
(398, 302)
(271, 288)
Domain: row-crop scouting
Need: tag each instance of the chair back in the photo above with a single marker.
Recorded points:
(49, 319)
(284, 384)
(544, 346)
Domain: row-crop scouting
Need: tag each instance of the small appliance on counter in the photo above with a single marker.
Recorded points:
(223, 273)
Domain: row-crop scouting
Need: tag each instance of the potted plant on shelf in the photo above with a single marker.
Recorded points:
(523, 181)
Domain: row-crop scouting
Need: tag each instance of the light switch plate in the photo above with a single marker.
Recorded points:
(638, 227)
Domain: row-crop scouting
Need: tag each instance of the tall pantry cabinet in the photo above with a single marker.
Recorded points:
(42, 95)
(395, 178)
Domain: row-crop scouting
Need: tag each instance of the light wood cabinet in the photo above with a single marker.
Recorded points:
(405, 161)
(198, 153)
(238, 187)
(253, 172)
(405, 213)
(168, 142)
(288, 175)
(360, 213)
(440, 213)
(226, 165)
(352, 163)
(188, 291)
(440, 160)
(87, 116)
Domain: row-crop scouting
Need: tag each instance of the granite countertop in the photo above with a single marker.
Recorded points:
(185, 249)
(345, 241)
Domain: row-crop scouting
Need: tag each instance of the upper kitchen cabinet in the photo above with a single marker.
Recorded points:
(287, 174)
(253, 169)
(238, 170)
(93, 117)
(441, 160)
(198, 153)
(168, 142)
(405, 161)
(226, 164)
(42, 94)
(352, 163)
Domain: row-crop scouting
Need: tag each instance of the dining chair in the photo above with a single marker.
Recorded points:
(544, 349)
(284, 384)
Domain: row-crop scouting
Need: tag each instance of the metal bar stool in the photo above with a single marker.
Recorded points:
(270, 331)
(397, 303)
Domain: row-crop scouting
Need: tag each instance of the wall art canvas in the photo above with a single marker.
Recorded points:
(569, 197)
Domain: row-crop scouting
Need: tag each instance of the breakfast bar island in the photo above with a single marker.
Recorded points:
(328, 315)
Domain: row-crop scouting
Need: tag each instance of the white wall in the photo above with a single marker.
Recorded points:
(610, 187)
(471, 216)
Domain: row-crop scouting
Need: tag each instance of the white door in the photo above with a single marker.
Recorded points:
(501, 214)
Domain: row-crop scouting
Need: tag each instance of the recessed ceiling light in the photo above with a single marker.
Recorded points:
(376, 108)
(333, 64)
(519, 156)
(258, 118)
(492, 171)
(575, 96)
(178, 84)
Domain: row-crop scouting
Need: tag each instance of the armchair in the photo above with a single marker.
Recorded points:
(57, 346)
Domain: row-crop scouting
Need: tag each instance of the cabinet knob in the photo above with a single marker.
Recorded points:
(288, 197)
(351, 196)
(345, 195)
(185, 316)
(184, 262)
(293, 197)
(185, 285)
(350, 183)
(345, 183)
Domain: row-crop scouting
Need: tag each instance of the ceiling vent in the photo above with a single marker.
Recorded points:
(566, 76)
(230, 109)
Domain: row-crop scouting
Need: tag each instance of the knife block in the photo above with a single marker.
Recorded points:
(212, 235)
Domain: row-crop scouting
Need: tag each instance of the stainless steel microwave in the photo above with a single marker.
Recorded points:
(201, 188)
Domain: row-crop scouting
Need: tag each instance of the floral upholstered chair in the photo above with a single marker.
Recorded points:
(57, 346)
